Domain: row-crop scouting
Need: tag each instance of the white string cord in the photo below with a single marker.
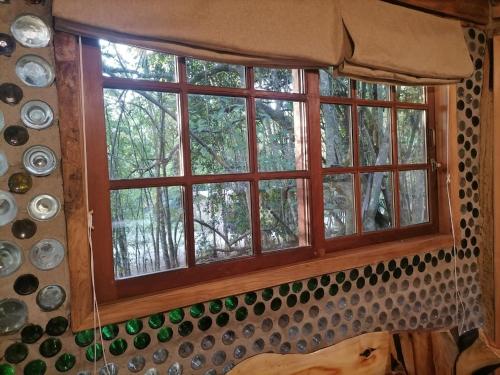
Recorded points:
(459, 303)
(90, 227)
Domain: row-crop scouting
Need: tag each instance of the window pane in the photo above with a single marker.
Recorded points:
(123, 61)
(374, 126)
(281, 80)
(413, 197)
(410, 94)
(222, 225)
(283, 214)
(372, 91)
(281, 139)
(218, 134)
(200, 72)
(142, 134)
(336, 135)
(333, 86)
(376, 200)
(339, 211)
(148, 230)
(411, 136)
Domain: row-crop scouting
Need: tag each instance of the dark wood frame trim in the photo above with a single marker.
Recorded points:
(73, 164)
(476, 11)
(495, 60)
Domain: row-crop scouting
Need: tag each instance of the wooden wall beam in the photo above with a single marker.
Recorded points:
(495, 187)
(476, 11)
(368, 354)
(479, 355)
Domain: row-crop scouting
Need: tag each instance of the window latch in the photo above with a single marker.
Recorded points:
(435, 165)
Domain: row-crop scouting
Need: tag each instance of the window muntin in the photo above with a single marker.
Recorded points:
(252, 182)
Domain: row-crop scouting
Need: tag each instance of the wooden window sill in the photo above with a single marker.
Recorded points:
(337, 261)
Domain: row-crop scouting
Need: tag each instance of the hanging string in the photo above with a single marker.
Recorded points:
(90, 227)
(459, 303)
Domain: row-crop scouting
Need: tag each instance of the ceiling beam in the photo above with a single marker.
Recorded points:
(476, 11)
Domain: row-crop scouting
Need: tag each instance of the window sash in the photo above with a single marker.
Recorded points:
(110, 289)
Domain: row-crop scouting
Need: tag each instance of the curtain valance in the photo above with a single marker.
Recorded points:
(366, 39)
(396, 44)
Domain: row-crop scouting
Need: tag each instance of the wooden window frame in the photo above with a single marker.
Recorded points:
(321, 256)
(99, 184)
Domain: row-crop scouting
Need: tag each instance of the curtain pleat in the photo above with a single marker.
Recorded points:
(366, 39)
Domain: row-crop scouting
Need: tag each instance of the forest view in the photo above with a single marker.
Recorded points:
(143, 130)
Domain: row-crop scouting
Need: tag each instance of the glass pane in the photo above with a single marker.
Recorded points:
(123, 61)
(411, 136)
(218, 134)
(200, 72)
(281, 80)
(333, 86)
(281, 139)
(222, 225)
(339, 211)
(142, 133)
(336, 135)
(372, 91)
(413, 197)
(376, 200)
(283, 213)
(374, 126)
(410, 94)
(148, 230)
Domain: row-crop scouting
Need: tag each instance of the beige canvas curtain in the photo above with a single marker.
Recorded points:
(365, 39)
(396, 44)
(270, 32)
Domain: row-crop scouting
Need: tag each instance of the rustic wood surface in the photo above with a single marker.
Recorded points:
(489, 200)
(494, 188)
(480, 354)
(68, 88)
(476, 11)
(368, 354)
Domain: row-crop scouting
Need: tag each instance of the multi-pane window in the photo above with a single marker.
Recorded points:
(212, 169)
(374, 156)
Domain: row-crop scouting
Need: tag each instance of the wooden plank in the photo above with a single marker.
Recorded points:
(475, 11)
(444, 352)
(496, 183)
(407, 351)
(446, 135)
(422, 352)
(495, 11)
(487, 177)
(427, 353)
(368, 354)
(68, 88)
(479, 355)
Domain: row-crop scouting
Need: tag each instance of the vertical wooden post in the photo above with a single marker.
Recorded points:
(495, 148)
